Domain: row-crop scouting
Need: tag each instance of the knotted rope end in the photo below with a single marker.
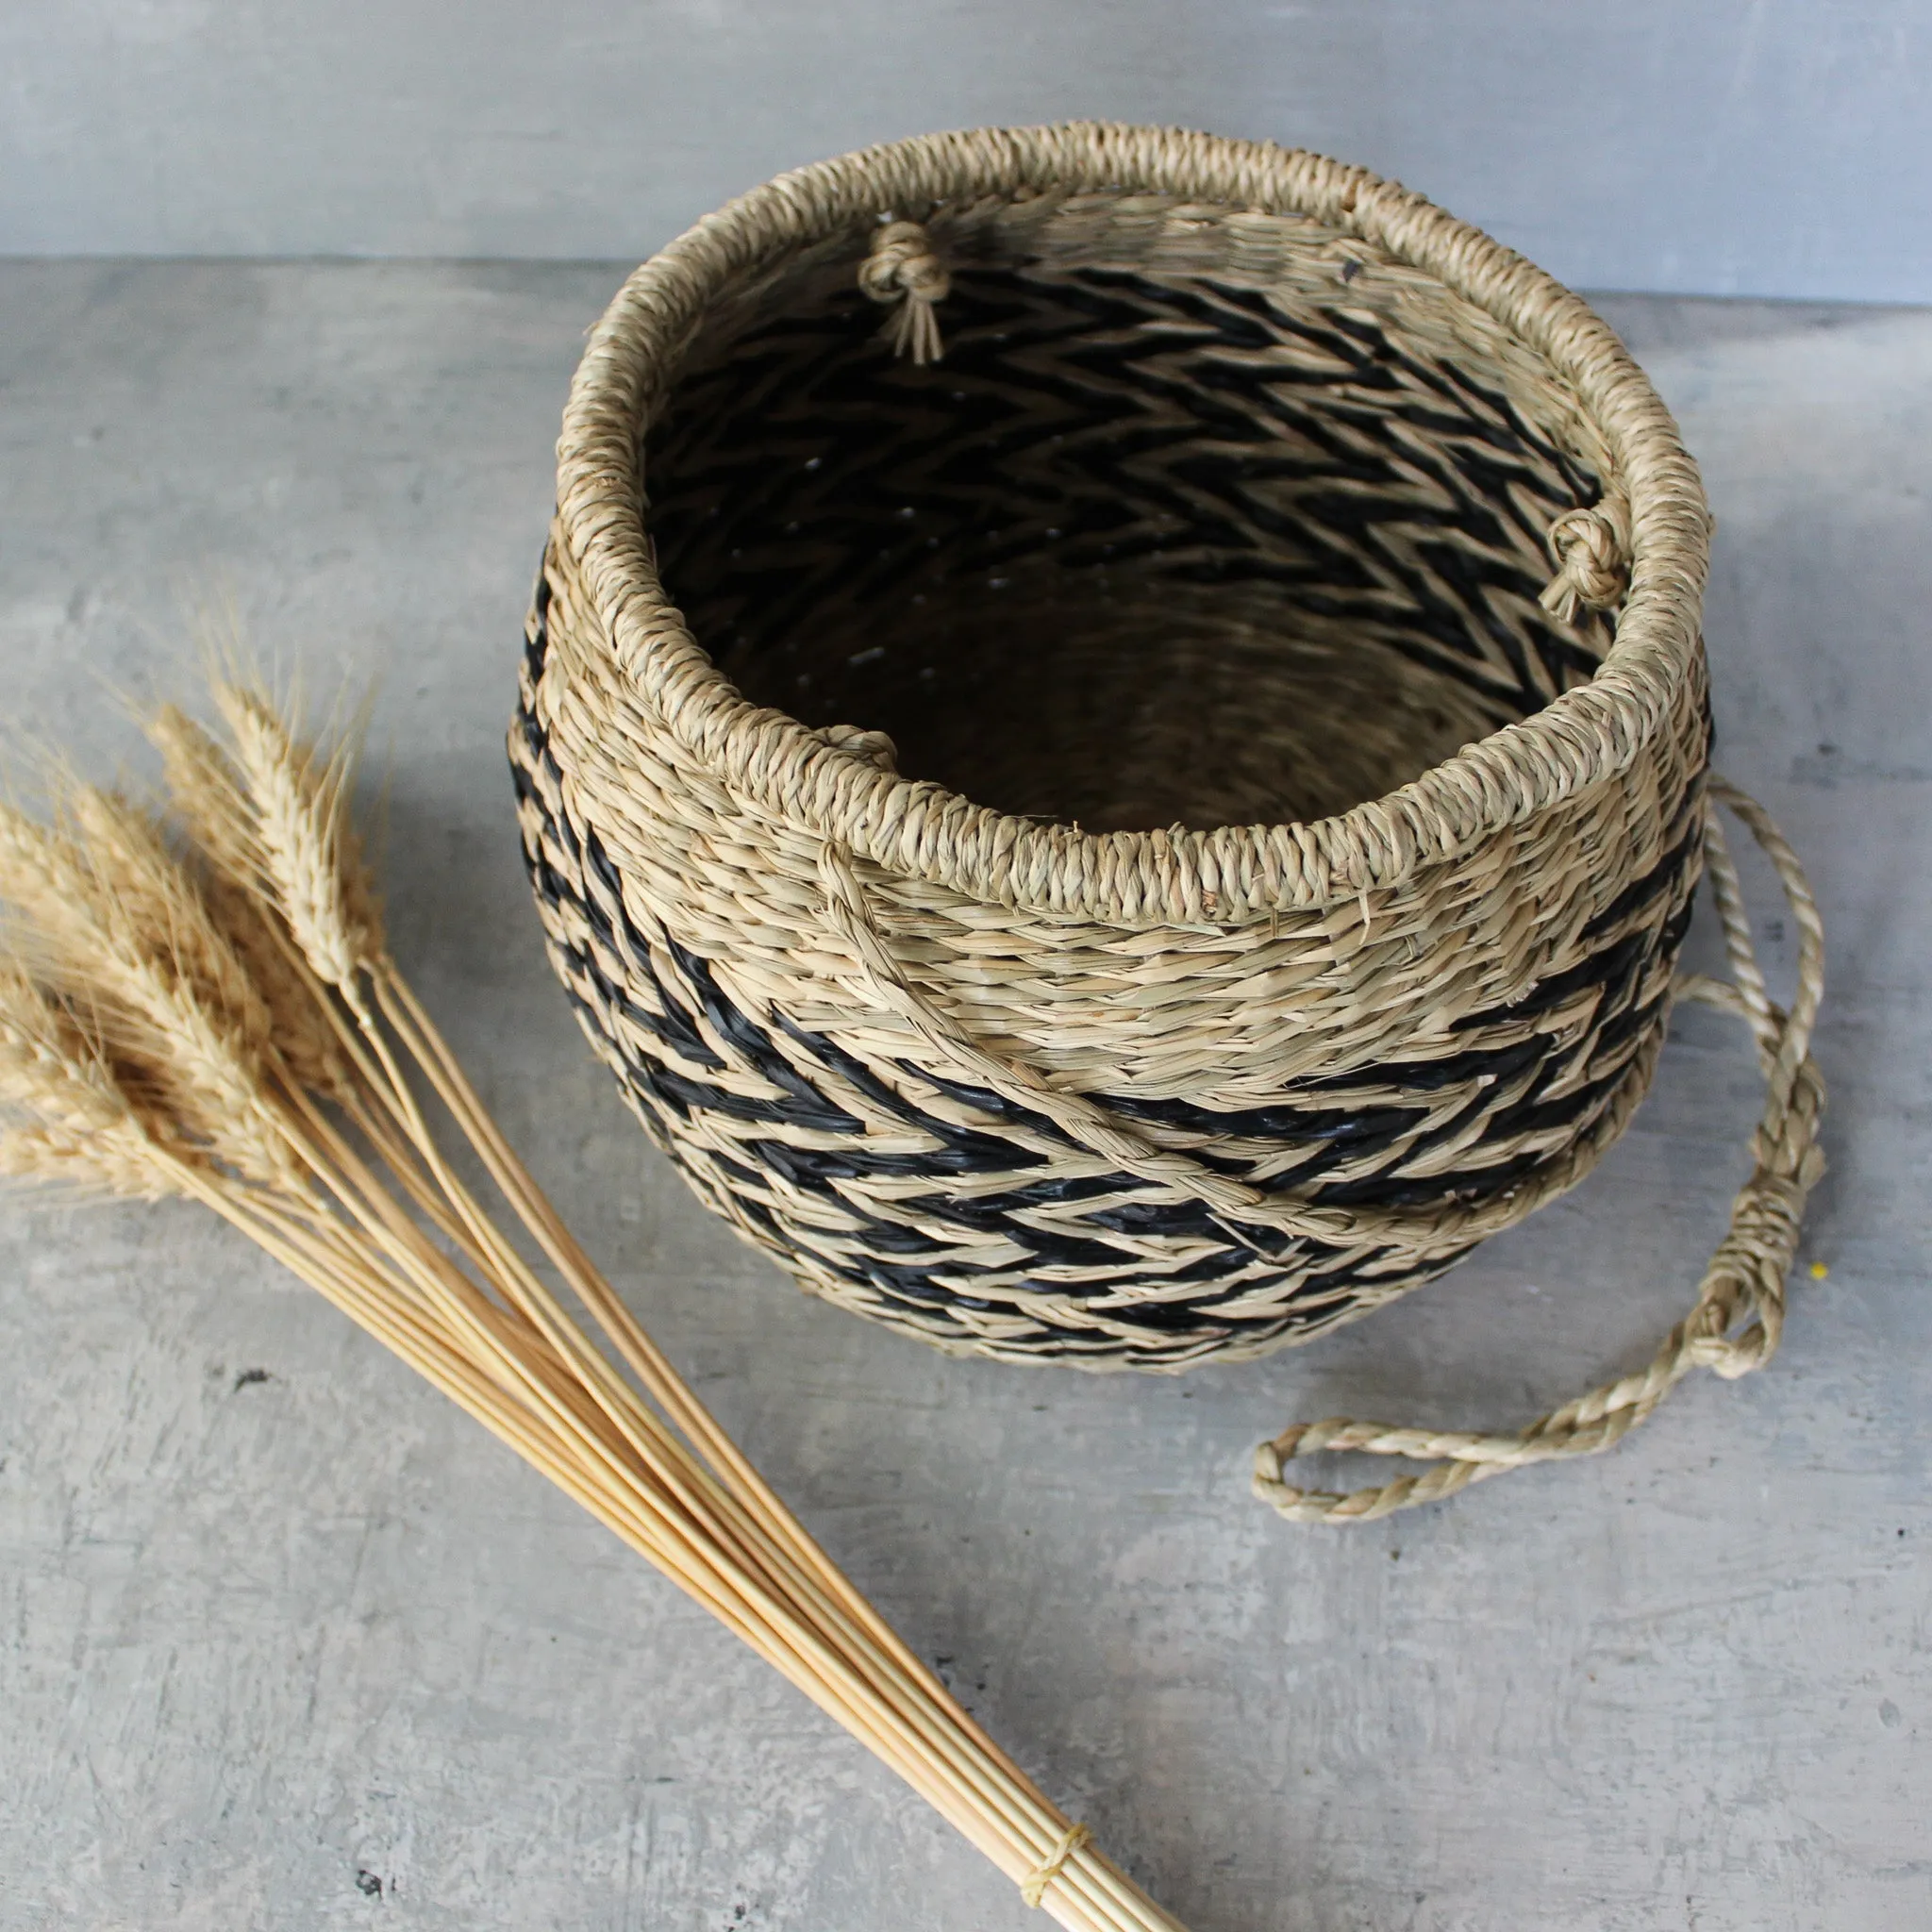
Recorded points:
(904, 269)
(1591, 548)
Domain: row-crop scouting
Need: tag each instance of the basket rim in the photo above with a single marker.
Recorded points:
(1219, 876)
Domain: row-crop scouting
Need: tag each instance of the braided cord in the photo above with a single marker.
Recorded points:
(1239, 1210)
(1735, 1325)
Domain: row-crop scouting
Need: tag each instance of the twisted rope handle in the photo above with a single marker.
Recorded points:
(1735, 1325)
(1744, 1285)
(1239, 1210)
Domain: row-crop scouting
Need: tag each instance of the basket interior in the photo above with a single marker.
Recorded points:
(1204, 519)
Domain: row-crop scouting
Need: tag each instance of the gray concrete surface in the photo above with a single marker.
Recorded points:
(286, 1643)
(1760, 147)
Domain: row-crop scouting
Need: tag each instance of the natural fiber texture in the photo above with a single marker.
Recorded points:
(1150, 838)
(901, 270)
(1739, 1313)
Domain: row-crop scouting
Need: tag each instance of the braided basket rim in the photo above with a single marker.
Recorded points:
(921, 830)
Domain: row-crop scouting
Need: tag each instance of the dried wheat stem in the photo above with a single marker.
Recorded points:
(419, 1035)
(426, 1046)
(226, 1024)
(506, 1266)
(547, 1386)
(914, 1716)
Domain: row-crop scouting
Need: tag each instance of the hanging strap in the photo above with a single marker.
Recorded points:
(1734, 1327)
(1739, 1314)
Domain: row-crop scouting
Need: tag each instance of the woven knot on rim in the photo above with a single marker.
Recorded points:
(1592, 566)
(903, 268)
(875, 747)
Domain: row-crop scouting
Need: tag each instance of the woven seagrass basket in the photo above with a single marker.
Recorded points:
(1142, 809)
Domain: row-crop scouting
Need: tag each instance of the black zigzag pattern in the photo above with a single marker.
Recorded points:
(657, 1015)
(1150, 487)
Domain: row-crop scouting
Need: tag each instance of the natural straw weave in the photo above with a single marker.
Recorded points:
(1151, 835)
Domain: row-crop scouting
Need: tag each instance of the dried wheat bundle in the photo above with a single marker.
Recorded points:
(199, 1001)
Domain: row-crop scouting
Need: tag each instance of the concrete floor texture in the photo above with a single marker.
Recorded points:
(286, 1642)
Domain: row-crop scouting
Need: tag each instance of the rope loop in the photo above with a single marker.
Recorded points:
(1592, 552)
(904, 269)
(1240, 1210)
(1744, 1285)
(1738, 1316)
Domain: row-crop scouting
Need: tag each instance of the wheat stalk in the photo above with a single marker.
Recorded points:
(206, 1007)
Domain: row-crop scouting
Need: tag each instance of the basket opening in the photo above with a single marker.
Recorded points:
(1152, 545)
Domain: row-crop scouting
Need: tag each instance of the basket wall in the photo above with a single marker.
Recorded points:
(1213, 517)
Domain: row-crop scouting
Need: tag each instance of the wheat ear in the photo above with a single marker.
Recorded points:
(226, 1023)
